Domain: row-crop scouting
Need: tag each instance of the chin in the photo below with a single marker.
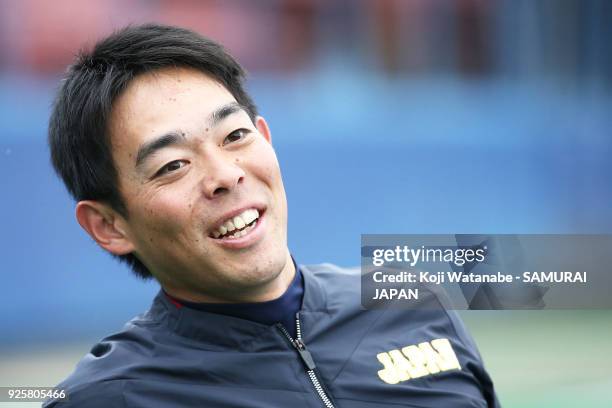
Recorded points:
(262, 271)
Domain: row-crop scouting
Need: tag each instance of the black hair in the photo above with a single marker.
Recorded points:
(78, 128)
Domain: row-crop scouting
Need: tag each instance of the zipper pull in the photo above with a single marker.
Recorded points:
(304, 354)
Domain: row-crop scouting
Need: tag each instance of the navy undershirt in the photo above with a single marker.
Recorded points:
(280, 310)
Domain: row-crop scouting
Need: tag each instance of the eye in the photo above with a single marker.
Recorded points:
(236, 135)
(171, 167)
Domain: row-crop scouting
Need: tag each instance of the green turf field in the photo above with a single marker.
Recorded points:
(547, 359)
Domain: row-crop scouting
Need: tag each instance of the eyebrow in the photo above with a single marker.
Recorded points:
(178, 137)
(223, 112)
(149, 148)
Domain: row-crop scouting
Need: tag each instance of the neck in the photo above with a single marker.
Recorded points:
(268, 291)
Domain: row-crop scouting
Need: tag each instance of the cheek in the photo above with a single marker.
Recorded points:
(167, 215)
(266, 164)
(267, 170)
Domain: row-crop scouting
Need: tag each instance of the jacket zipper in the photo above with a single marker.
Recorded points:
(307, 360)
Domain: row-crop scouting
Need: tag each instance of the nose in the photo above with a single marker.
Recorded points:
(222, 175)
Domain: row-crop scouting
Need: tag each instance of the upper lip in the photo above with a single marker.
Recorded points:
(231, 214)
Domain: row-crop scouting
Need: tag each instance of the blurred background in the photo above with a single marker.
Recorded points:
(388, 116)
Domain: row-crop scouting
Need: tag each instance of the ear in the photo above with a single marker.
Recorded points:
(105, 226)
(263, 128)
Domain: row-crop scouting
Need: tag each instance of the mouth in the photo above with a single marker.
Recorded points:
(237, 226)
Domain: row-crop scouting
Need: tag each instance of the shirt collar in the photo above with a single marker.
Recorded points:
(280, 310)
(220, 331)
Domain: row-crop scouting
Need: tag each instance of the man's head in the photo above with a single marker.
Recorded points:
(155, 137)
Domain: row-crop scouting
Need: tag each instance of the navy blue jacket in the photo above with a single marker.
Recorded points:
(344, 357)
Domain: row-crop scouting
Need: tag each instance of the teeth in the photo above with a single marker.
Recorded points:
(238, 222)
(250, 215)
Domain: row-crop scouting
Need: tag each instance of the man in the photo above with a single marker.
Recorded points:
(175, 174)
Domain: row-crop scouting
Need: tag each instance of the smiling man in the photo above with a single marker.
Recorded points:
(174, 173)
(202, 187)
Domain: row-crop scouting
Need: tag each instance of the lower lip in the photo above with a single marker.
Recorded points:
(246, 241)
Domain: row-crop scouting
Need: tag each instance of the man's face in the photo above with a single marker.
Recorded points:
(192, 166)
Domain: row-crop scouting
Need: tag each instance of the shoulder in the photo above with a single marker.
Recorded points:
(329, 271)
(100, 376)
(332, 277)
(429, 316)
(339, 287)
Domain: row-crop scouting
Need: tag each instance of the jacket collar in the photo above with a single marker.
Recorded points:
(215, 331)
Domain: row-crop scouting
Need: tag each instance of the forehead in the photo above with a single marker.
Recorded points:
(162, 101)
